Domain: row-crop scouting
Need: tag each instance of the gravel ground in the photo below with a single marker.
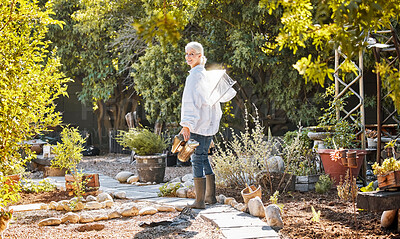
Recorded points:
(25, 224)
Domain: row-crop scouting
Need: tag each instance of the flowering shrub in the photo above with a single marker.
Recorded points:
(237, 162)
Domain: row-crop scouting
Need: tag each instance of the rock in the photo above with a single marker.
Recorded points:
(44, 206)
(120, 195)
(256, 207)
(388, 217)
(273, 216)
(221, 199)
(100, 217)
(187, 177)
(176, 180)
(93, 205)
(79, 206)
(241, 207)
(133, 179)
(181, 192)
(275, 164)
(179, 208)
(165, 208)
(228, 200)
(86, 218)
(188, 184)
(67, 207)
(191, 193)
(123, 176)
(70, 217)
(130, 211)
(147, 211)
(91, 227)
(103, 197)
(114, 214)
(233, 203)
(91, 198)
(108, 203)
(53, 205)
(60, 206)
(50, 222)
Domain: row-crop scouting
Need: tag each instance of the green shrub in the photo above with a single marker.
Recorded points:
(142, 141)
(324, 184)
(169, 189)
(42, 186)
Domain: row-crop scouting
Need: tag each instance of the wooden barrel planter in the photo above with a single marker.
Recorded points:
(151, 168)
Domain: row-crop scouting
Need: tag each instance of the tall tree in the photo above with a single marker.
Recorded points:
(30, 82)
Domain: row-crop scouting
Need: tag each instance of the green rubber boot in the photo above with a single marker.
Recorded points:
(210, 189)
(200, 189)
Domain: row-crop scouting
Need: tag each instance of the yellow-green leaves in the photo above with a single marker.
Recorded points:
(314, 71)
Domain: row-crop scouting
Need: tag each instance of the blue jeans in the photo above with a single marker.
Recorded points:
(200, 163)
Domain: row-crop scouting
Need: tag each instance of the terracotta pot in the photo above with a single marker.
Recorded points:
(251, 192)
(12, 179)
(335, 169)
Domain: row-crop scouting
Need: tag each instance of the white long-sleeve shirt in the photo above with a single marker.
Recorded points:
(197, 113)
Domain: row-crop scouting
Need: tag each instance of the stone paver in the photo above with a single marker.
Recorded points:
(233, 224)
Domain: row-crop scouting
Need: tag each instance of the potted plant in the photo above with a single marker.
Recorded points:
(371, 136)
(148, 148)
(342, 137)
(68, 154)
(388, 173)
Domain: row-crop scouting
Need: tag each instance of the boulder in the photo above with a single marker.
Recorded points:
(100, 217)
(187, 177)
(50, 222)
(165, 208)
(176, 180)
(273, 216)
(53, 205)
(91, 227)
(189, 184)
(120, 195)
(130, 211)
(256, 207)
(70, 217)
(221, 199)
(181, 192)
(79, 206)
(93, 205)
(388, 217)
(91, 198)
(228, 200)
(108, 203)
(191, 193)
(114, 214)
(123, 176)
(133, 179)
(86, 218)
(147, 211)
(103, 197)
(275, 164)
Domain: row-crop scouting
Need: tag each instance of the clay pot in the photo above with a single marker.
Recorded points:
(250, 192)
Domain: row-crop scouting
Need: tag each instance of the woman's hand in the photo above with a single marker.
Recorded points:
(186, 133)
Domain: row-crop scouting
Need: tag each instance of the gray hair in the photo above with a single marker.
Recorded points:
(198, 48)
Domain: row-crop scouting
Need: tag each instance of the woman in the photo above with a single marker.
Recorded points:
(200, 121)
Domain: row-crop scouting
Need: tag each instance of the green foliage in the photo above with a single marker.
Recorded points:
(324, 184)
(68, 154)
(347, 188)
(297, 153)
(9, 190)
(41, 186)
(342, 133)
(169, 189)
(30, 81)
(368, 188)
(316, 215)
(274, 198)
(142, 141)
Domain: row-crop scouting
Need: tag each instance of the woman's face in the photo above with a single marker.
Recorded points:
(192, 57)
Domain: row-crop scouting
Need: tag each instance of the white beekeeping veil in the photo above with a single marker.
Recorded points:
(219, 86)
